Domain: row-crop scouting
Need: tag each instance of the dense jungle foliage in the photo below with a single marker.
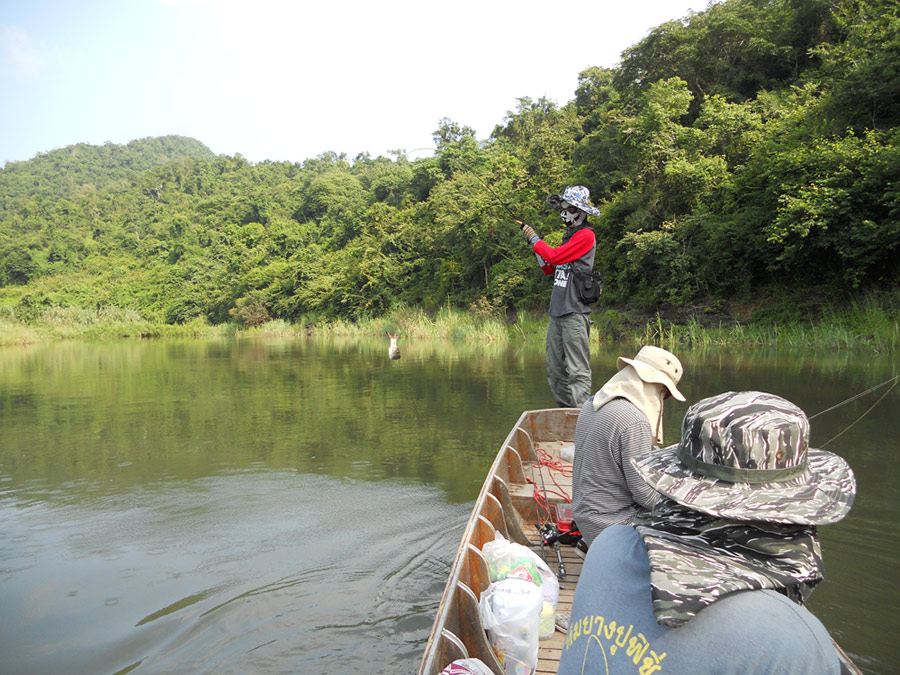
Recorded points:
(748, 151)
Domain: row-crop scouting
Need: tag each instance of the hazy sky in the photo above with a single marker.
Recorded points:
(281, 80)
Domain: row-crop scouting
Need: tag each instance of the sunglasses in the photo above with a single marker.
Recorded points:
(571, 209)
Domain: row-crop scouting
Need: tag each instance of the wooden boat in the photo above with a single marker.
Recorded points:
(529, 459)
(506, 504)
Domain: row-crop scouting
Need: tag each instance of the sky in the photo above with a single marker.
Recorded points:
(288, 81)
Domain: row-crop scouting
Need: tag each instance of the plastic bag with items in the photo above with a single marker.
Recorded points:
(510, 613)
(506, 559)
(511, 562)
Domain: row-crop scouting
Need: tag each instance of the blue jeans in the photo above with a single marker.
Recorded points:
(569, 359)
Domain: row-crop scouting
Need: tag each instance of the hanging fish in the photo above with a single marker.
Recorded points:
(393, 350)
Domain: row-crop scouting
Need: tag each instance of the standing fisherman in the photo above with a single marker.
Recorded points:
(568, 345)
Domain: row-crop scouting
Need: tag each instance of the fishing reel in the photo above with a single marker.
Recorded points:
(550, 535)
(553, 536)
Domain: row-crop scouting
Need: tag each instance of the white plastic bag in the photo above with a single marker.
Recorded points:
(508, 559)
(550, 587)
(510, 612)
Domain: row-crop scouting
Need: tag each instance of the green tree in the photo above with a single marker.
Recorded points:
(862, 71)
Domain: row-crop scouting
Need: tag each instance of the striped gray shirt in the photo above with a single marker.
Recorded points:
(606, 489)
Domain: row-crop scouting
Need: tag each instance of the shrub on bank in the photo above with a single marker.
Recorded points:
(872, 323)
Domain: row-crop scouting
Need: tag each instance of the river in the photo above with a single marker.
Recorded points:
(294, 505)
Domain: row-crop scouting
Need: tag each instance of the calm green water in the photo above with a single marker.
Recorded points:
(292, 506)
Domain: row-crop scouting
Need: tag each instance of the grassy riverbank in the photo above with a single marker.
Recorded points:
(871, 323)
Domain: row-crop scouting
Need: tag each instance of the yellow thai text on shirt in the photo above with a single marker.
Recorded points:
(615, 636)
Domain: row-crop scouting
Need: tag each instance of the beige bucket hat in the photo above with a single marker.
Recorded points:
(656, 366)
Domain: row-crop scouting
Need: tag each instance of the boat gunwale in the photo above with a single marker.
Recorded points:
(499, 466)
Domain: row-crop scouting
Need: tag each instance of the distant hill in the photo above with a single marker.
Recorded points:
(747, 153)
(64, 172)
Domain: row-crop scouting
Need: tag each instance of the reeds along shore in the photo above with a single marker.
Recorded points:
(873, 324)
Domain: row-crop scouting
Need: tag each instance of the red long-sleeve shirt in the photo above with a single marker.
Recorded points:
(580, 243)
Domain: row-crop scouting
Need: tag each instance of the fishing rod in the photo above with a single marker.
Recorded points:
(487, 187)
(537, 511)
(552, 533)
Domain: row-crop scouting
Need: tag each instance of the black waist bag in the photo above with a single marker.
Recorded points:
(589, 286)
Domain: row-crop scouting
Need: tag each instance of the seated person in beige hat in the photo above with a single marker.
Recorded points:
(714, 579)
(620, 422)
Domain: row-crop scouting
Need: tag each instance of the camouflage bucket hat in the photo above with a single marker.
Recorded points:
(746, 456)
(574, 195)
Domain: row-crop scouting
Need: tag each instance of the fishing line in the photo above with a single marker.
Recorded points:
(859, 395)
(556, 466)
(894, 379)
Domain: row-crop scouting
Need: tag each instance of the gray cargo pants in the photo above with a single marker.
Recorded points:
(569, 359)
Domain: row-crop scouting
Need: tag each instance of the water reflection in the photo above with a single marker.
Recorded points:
(288, 504)
(247, 572)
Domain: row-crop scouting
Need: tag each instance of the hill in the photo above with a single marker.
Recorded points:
(62, 173)
(748, 155)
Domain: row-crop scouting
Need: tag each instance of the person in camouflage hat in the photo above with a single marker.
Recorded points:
(728, 557)
(568, 331)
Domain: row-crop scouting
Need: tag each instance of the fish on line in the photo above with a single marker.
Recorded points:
(393, 349)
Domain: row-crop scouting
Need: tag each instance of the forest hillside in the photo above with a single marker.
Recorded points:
(745, 153)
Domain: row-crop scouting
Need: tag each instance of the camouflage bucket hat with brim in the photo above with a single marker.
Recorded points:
(746, 456)
(574, 195)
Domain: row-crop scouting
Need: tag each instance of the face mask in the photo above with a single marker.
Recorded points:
(571, 219)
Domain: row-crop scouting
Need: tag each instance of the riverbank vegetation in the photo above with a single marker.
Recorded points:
(746, 160)
(869, 325)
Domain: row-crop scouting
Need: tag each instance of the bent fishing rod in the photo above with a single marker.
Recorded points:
(487, 187)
